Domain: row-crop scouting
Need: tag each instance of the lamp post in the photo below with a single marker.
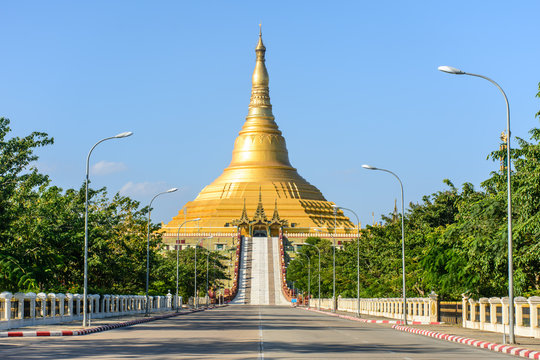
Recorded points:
(319, 231)
(319, 272)
(309, 278)
(196, 295)
(368, 167)
(207, 255)
(454, 71)
(177, 248)
(85, 285)
(334, 261)
(357, 260)
(148, 245)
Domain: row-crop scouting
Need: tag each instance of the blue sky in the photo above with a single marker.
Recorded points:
(351, 82)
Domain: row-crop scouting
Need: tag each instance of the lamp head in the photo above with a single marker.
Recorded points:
(124, 134)
(450, 70)
(197, 219)
(369, 167)
(172, 190)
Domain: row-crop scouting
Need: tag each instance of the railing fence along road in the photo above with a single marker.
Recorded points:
(29, 309)
(482, 314)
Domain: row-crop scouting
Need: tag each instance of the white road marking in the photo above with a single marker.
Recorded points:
(261, 341)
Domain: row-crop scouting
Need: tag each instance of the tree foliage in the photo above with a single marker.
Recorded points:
(42, 233)
(456, 240)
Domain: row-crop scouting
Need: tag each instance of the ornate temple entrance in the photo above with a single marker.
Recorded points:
(260, 226)
(259, 231)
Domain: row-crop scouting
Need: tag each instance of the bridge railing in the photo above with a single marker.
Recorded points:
(491, 314)
(418, 309)
(29, 309)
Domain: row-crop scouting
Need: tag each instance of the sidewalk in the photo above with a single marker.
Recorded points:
(455, 333)
(74, 328)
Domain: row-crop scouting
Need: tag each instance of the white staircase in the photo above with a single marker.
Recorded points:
(259, 274)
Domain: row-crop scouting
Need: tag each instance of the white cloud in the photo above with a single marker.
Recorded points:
(142, 189)
(107, 167)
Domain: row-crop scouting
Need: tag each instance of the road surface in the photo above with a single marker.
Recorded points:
(244, 332)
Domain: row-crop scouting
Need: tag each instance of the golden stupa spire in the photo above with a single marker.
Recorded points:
(260, 155)
(259, 104)
(260, 173)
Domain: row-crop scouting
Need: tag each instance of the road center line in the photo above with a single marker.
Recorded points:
(261, 340)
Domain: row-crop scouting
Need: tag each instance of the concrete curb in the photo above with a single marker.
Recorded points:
(349, 317)
(92, 330)
(506, 349)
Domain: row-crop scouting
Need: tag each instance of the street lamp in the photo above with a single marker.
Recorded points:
(454, 71)
(368, 167)
(334, 261)
(207, 255)
(148, 244)
(177, 248)
(85, 285)
(196, 295)
(309, 278)
(319, 270)
(357, 261)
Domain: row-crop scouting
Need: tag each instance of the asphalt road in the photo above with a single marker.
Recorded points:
(244, 332)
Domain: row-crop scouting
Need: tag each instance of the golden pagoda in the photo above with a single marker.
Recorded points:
(260, 179)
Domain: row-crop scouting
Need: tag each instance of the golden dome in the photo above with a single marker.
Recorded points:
(259, 173)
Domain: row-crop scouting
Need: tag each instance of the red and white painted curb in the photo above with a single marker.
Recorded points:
(91, 330)
(349, 317)
(506, 349)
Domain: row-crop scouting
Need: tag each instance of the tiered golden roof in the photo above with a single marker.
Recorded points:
(260, 174)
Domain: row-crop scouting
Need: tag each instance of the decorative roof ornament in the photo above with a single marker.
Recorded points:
(276, 219)
(260, 216)
(244, 218)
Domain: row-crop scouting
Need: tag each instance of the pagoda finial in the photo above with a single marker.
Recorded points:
(260, 95)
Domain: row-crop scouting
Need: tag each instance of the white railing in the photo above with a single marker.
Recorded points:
(492, 315)
(202, 302)
(418, 309)
(29, 309)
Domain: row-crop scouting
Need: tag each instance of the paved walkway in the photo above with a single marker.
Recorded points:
(259, 273)
(95, 323)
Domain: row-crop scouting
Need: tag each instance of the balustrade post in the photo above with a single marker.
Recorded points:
(534, 303)
(464, 309)
(61, 304)
(433, 307)
(484, 302)
(472, 304)
(69, 298)
(103, 305)
(77, 299)
(20, 305)
(505, 307)
(7, 309)
(169, 300)
(32, 297)
(493, 301)
(519, 303)
(52, 298)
